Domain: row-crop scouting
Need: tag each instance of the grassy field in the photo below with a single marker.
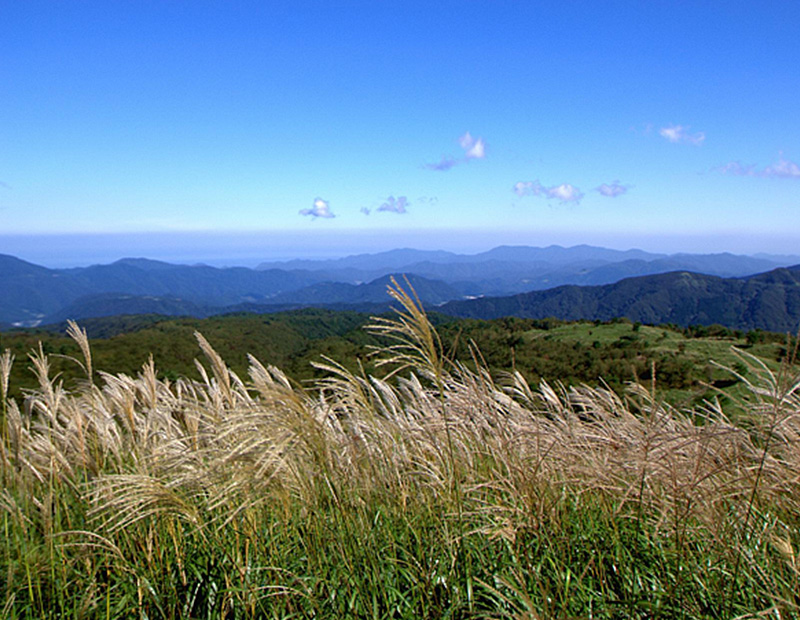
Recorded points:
(707, 358)
(684, 366)
(432, 489)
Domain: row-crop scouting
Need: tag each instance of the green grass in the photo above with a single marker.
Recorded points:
(432, 490)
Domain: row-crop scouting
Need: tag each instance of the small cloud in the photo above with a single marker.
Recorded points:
(474, 148)
(526, 188)
(781, 169)
(445, 164)
(321, 208)
(477, 151)
(5, 185)
(564, 193)
(680, 134)
(395, 205)
(366, 210)
(427, 200)
(612, 190)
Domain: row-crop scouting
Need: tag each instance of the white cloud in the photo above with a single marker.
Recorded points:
(365, 210)
(474, 148)
(612, 190)
(395, 205)
(5, 185)
(321, 208)
(781, 169)
(478, 150)
(564, 193)
(680, 134)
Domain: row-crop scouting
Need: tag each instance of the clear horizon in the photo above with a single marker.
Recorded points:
(325, 129)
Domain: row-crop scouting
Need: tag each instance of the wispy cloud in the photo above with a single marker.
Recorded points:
(738, 169)
(365, 210)
(395, 205)
(4, 185)
(321, 208)
(445, 164)
(680, 134)
(474, 148)
(781, 169)
(526, 188)
(612, 190)
(564, 193)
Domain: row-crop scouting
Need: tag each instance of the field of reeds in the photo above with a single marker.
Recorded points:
(435, 491)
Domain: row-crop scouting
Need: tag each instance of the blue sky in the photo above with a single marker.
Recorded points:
(312, 127)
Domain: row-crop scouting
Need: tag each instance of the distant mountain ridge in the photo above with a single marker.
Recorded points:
(515, 269)
(400, 258)
(33, 294)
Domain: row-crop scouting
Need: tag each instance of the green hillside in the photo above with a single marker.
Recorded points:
(288, 340)
(613, 353)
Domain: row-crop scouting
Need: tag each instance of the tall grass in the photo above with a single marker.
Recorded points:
(436, 492)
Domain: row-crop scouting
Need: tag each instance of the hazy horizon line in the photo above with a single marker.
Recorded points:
(248, 249)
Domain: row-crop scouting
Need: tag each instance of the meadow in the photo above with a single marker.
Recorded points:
(413, 484)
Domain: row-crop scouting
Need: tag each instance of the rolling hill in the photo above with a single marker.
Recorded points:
(769, 301)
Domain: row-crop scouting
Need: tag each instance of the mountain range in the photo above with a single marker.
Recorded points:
(516, 269)
(577, 282)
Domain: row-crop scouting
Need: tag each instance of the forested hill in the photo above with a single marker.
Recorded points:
(769, 301)
(612, 353)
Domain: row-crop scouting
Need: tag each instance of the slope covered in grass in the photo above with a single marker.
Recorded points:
(431, 491)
